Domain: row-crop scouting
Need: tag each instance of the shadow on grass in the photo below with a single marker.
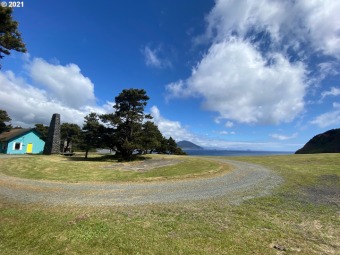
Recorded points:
(105, 158)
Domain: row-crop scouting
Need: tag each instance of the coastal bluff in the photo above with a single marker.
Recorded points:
(328, 142)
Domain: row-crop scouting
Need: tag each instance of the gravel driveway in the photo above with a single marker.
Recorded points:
(244, 182)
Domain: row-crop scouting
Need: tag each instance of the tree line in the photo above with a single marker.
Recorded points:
(127, 130)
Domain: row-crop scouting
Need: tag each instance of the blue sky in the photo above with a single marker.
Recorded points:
(259, 75)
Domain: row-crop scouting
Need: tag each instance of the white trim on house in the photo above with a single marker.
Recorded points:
(20, 147)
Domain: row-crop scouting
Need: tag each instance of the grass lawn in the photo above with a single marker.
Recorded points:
(106, 169)
(300, 217)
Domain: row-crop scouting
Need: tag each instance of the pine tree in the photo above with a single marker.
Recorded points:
(10, 38)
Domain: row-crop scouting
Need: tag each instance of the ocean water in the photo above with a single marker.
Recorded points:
(234, 153)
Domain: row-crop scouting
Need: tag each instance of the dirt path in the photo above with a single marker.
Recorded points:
(245, 182)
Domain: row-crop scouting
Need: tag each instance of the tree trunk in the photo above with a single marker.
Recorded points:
(66, 148)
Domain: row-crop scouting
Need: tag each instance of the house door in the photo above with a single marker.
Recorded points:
(29, 148)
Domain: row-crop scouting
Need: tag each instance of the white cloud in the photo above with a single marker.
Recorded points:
(257, 67)
(293, 23)
(327, 119)
(333, 92)
(154, 58)
(227, 133)
(322, 24)
(179, 89)
(65, 83)
(27, 104)
(331, 118)
(284, 137)
(151, 58)
(229, 124)
(336, 105)
(328, 68)
(170, 128)
(230, 16)
(178, 132)
(236, 81)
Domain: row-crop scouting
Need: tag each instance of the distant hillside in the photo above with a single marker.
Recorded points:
(186, 145)
(328, 142)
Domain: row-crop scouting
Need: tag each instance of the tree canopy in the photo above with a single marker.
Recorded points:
(126, 121)
(91, 133)
(151, 137)
(10, 38)
(127, 130)
(3, 119)
(70, 134)
(43, 130)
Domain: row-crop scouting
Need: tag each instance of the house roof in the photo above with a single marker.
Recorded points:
(6, 136)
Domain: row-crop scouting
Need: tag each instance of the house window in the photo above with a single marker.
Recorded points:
(17, 146)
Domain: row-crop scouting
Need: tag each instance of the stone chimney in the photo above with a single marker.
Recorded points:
(52, 144)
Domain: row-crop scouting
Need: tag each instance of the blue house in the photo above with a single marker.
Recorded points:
(21, 141)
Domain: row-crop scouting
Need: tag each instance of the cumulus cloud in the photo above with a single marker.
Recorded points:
(154, 57)
(256, 69)
(64, 82)
(238, 82)
(322, 24)
(232, 16)
(63, 89)
(292, 23)
(170, 128)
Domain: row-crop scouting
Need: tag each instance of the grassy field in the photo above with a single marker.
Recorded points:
(106, 169)
(300, 217)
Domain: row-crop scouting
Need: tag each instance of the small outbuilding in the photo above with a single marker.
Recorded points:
(21, 141)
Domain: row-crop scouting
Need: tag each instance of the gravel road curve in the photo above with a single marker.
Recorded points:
(244, 182)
